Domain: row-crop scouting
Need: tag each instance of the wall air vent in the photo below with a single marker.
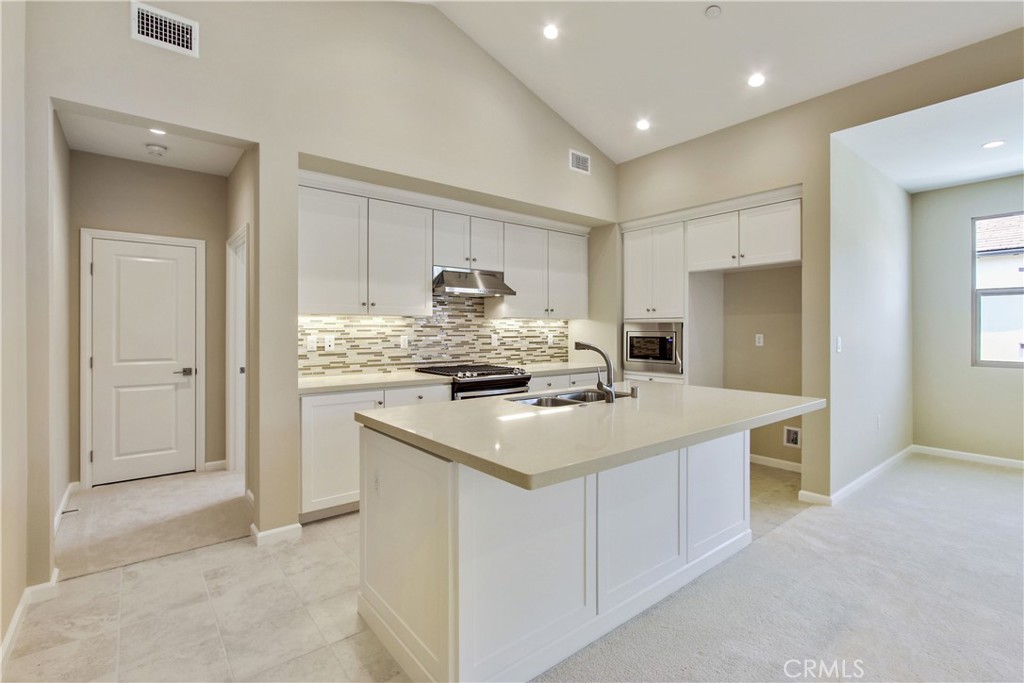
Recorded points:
(578, 161)
(166, 30)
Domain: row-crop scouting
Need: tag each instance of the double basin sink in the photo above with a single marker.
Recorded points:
(572, 398)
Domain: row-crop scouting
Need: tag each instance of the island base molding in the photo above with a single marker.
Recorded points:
(466, 577)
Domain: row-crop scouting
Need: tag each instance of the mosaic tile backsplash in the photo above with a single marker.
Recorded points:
(457, 332)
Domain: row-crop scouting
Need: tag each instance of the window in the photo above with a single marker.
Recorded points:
(999, 291)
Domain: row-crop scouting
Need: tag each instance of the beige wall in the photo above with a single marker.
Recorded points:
(243, 206)
(602, 327)
(872, 388)
(791, 147)
(956, 405)
(129, 196)
(764, 302)
(13, 438)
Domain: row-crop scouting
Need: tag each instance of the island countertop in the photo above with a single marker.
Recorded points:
(533, 447)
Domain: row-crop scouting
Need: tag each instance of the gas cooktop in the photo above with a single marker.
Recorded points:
(468, 370)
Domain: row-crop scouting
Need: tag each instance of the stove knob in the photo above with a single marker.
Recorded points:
(460, 375)
(471, 374)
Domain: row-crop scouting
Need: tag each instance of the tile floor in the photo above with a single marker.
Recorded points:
(235, 612)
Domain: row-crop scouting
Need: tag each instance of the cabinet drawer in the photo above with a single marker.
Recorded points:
(407, 396)
(550, 382)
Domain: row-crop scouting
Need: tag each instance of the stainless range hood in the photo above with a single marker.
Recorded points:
(456, 282)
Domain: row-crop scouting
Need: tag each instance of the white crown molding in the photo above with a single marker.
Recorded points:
(783, 194)
(324, 181)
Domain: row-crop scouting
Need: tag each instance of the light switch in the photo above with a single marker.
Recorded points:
(403, 341)
(328, 342)
(839, 344)
(311, 342)
(551, 339)
(758, 340)
(494, 340)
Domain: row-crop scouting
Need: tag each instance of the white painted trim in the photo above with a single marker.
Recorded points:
(776, 463)
(838, 496)
(30, 596)
(250, 498)
(969, 457)
(324, 181)
(235, 454)
(291, 532)
(214, 465)
(783, 194)
(72, 487)
(85, 340)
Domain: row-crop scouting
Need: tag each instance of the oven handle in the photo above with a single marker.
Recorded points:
(480, 393)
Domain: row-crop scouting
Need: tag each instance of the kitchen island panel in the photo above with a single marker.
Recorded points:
(718, 500)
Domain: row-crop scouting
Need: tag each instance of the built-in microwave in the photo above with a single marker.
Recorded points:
(653, 347)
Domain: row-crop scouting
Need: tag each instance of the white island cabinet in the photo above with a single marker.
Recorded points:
(499, 538)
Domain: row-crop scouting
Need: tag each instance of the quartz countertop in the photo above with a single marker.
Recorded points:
(322, 384)
(533, 447)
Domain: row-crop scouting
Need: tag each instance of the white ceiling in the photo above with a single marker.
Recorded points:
(941, 145)
(127, 139)
(615, 62)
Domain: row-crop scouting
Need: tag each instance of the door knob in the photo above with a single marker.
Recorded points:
(187, 372)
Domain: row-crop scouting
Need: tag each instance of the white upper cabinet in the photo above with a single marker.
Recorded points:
(363, 256)
(332, 252)
(548, 271)
(468, 242)
(567, 276)
(400, 259)
(752, 237)
(654, 273)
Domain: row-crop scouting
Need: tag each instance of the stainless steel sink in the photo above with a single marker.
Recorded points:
(546, 401)
(586, 396)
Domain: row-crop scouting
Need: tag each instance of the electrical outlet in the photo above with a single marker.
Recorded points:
(494, 340)
(403, 342)
(311, 342)
(839, 344)
(328, 342)
(791, 437)
(758, 340)
(551, 339)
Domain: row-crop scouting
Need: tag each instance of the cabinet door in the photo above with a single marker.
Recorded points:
(332, 252)
(401, 252)
(410, 396)
(712, 243)
(567, 276)
(668, 287)
(770, 234)
(526, 271)
(717, 495)
(451, 240)
(636, 275)
(550, 382)
(487, 244)
(330, 447)
(586, 380)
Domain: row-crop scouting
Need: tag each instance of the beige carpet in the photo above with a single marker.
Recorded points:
(120, 524)
(916, 577)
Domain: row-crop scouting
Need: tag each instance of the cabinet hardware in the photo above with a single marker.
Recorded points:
(734, 255)
(380, 403)
(648, 310)
(743, 256)
(363, 304)
(467, 258)
(374, 303)
(420, 397)
(654, 310)
(474, 258)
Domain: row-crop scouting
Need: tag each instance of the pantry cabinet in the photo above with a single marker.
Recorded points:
(654, 275)
(548, 271)
(757, 236)
(468, 242)
(360, 256)
(330, 439)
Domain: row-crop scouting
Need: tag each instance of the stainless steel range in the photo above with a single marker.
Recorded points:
(477, 381)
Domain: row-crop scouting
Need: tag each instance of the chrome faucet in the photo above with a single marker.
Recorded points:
(607, 389)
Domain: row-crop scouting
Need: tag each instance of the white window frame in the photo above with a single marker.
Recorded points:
(976, 296)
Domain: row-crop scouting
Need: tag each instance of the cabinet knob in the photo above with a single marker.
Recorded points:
(474, 258)
(549, 384)
(551, 310)
(648, 310)
(380, 403)
(734, 255)
(743, 256)
(363, 304)
(374, 303)
(467, 258)
(654, 310)
(420, 397)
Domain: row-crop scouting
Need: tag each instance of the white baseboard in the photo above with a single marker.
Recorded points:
(819, 499)
(72, 487)
(969, 457)
(776, 463)
(31, 595)
(281, 533)
(216, 465)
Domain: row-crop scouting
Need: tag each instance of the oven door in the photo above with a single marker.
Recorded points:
(459, 395)
(648, 349)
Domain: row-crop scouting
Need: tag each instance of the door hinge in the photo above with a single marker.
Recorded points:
(90, 456)
(90, 362)
(90, 268)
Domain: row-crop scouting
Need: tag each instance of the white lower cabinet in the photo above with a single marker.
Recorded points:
(582, 380)
(330, 439)
(667, 379)
(469, 578)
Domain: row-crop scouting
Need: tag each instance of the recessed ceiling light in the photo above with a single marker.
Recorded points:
(550, 31)
(643, 124)
(756, 80)
(155, 150)
(993, 144)
(157, 131)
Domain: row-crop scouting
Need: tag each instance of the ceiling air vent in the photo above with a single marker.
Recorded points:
(166, 30)
(578, 161)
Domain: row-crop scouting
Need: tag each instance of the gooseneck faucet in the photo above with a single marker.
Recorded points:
(607, 389)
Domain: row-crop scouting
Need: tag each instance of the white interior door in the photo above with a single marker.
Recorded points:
(144, 359)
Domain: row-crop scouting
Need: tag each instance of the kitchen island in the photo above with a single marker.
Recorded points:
(499, 538)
